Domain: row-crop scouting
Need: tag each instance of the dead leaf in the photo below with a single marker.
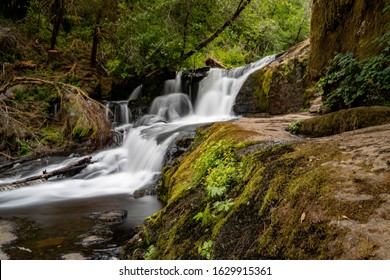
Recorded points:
(303, 217)
(345, 217)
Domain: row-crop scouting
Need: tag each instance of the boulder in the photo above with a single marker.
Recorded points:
(280, 87)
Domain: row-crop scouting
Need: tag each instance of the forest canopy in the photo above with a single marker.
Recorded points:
(136, 37)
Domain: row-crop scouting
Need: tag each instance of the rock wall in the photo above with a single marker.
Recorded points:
(278, 88)
(345, 26)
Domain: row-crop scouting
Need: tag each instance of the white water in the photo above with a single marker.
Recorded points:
(173, 85)
(120, 111)
(171, 107)
(219, 89)
(136, 93)
(137, 162)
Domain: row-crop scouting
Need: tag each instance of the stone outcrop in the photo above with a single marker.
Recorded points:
(278, 88)
(345, 26)
(286, 198)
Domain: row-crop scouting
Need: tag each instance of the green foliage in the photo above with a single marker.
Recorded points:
(156, 34)
(24, 148)
(218, 169)
(294, 126)
(52, 135)
(205, 216)
(223, 206)
(82, 129)
(350, 82)
(151, 253)
(206, 249)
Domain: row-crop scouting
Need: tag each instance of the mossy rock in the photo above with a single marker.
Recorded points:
(278, 88)
(345, 26)
(283, 207)
(344, 120)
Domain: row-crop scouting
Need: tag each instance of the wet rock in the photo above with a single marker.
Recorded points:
(93, 240)
(73, 256)
(106, 254)
(102, 232)
(109, 217)
(345, 26)
(146, 190)
(279, 88)
(176, 151)
(6, 236)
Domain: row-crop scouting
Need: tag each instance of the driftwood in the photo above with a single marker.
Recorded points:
(68, 170)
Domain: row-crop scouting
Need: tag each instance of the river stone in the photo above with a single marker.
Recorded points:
(6, 236)
(93, 240)
(110, 217)
(73, 256)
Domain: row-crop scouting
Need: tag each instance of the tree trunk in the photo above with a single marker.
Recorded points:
(96, 37)
(95, 42)
(58, 11)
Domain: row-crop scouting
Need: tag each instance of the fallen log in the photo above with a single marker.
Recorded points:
(68, 170)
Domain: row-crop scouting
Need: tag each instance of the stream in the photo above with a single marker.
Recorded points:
(91, 214)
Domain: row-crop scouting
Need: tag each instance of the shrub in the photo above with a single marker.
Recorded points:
(351, 83)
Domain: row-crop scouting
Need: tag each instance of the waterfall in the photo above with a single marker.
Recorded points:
(171, 107)
(219, 89)
(121, 112)
(136, 163)
(173, 85)
(136, 93)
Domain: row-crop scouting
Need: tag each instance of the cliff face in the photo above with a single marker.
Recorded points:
(345, 26)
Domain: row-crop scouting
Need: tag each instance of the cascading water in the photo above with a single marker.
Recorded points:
(171, 107)
(137, 162)
(136, 93)
(173, 85)
(121, 114)
(219, 89)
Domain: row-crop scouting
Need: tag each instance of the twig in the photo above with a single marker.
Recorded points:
(6, 156)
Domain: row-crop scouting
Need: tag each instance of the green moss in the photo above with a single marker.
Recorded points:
(344, 120)
(215, 143)
(52, 135)
(281, 208)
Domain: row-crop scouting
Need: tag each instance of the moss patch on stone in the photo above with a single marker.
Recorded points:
(344, 120)
(283, 207)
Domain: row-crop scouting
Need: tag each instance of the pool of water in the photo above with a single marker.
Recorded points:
(55, 230)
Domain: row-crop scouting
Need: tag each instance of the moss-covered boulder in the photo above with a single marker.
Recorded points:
(341, 121)
(345, 26)
(231, 198)
(278, 88)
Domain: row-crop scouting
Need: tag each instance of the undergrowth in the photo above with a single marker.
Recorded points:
(350, 82)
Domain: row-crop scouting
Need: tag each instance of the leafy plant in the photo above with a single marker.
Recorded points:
(223, 206)
(350, 82)
(205, 216)
(151, 253)
(24, 148)
(218, 168)
(206, 249)
(294, 126)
